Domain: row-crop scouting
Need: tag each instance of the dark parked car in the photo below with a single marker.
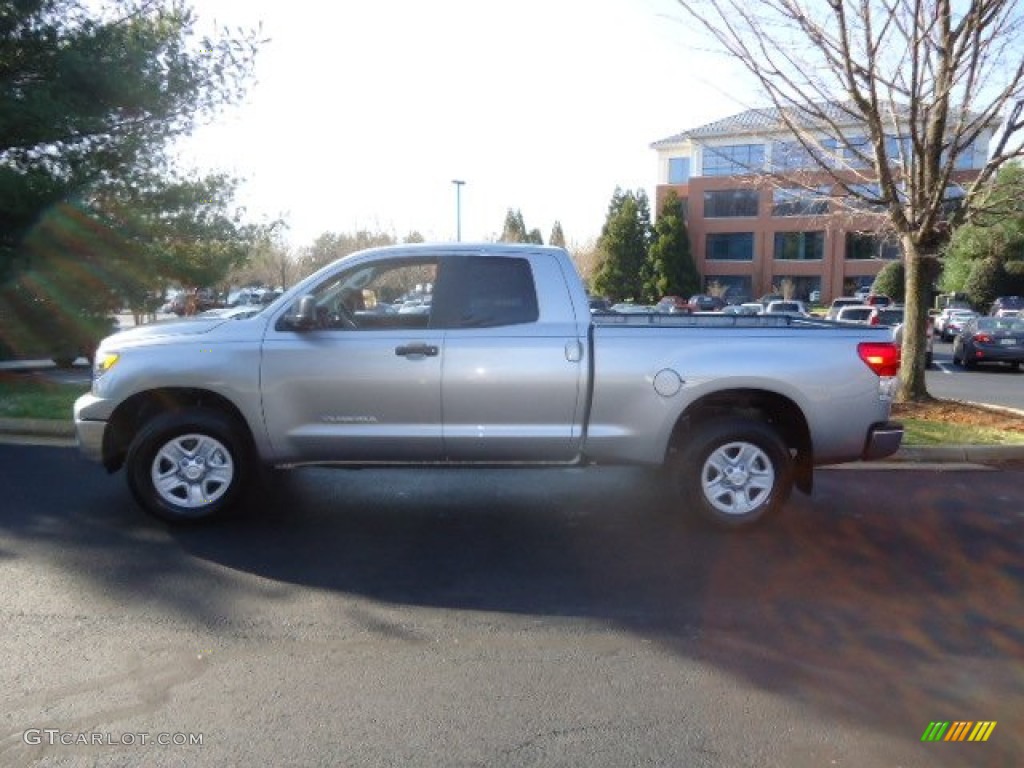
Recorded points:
(990, 340)
(702, 302)
(195, 301)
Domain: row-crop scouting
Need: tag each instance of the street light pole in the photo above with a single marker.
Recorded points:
(458, 208)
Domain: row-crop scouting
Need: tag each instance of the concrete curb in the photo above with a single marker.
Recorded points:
(910, 454)
(37, 427)
(958, 454)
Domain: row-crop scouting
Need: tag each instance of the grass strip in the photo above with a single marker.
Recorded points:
(27, 396)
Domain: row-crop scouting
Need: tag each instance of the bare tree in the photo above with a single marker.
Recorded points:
(906, 92)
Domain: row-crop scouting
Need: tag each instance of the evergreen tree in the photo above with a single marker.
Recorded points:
(557, 237)
(625, 239)
(890, 281)
(987, 280)
(671, 269)
(514, 230)
(997, 235)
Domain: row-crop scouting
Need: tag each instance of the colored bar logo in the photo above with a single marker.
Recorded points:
(959, 730)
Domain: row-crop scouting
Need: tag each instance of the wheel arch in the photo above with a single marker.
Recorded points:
(131, 415)
(772, 408)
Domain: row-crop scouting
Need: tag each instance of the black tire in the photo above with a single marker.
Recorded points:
(753, 450)
(203, 456)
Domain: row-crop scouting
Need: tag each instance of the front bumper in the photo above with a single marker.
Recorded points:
(89, 431)
(882, 440)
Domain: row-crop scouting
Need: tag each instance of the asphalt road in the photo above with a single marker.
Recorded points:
(560, 617)
(995, 384)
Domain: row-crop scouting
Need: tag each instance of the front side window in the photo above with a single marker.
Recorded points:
(726, 203)
(730, 246)
(800, 246)
(733, 160)
(381, 295)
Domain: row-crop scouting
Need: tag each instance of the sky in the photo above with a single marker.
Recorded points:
(363, 112)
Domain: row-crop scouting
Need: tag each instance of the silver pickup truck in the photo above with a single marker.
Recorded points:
(488, 355)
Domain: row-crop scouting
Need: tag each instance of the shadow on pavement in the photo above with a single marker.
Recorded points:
(891, 597)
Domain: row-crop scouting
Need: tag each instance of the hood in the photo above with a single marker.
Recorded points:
(164, 329)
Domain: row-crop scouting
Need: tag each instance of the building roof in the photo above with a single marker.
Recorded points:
(768, 120)
(760, 120)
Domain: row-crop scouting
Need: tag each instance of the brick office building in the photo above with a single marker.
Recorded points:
(759, 216)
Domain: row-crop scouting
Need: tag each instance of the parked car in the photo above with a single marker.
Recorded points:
(629, 308)
(768, 298)
(599, 304)
(943, 317)
(839, 303)
(1006, 302)
(990, 340)
(702, 302)
(673, 305)
(877, 300)
(195, 301)
(792, 308)
(955, 323)
(855, 313)
(747, 308)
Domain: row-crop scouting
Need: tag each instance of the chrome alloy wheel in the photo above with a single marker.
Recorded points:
(737, 477)
(192, 471)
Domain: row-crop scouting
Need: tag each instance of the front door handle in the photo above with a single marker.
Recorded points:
(407, 350)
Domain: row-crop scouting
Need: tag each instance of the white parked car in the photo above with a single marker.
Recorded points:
(955, 323)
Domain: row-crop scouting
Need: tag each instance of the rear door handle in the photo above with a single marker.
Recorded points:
(407, 350)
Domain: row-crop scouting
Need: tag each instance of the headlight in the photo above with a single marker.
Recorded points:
(104, 363)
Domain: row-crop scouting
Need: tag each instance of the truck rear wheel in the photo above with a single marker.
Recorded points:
(187, 465)
(735, 470)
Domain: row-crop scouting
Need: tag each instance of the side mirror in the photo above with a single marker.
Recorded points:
(306, 316)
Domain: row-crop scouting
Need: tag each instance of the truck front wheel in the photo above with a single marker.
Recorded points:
(186, 465)
(735, 470)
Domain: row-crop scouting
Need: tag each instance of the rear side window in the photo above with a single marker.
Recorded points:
(485, 292)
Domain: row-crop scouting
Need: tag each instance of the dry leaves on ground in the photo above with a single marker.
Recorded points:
(959, 413)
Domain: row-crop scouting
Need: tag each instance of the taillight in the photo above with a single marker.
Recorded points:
(874, 320)
(882, 357)
(982, 338)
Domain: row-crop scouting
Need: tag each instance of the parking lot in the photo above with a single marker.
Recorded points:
(512, 618)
